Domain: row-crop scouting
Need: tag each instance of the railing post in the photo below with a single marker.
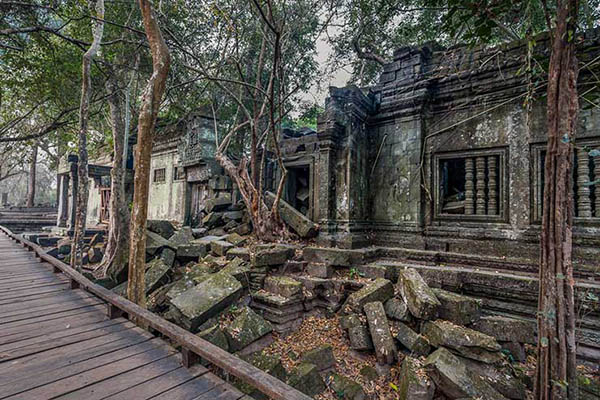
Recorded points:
(188, 357)
(113, 311)
(73, 284)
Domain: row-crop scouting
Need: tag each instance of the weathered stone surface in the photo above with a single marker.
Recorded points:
(461, 310)
(322, 357)
(182, 236)
(235, 239)
(333, 256)
(215, 336)
(238, 269)
(507, 329)
(247, 327)
(161, 227)
(192, 276)
(220, 247)
(212, 219)
(283, 286)
(349, 321)
(346, 388)
(455, 380)
(155, 242)
(414, 382)
(265, 255)
(217, 204)
(303, 226)
(500, 378)
(413, 341)
(240, 252)
(243, 229)
(379, 290)
(305, 377)
(232, 216)
(156, 272)
(396, 308)
(319, 270)
(464, 341)
(157, 300)
(360, 338)
(192, 250)
(369, 373)
(385, 348)
(206, 299)
(167, 255)
(268, 363)
(419, 297)
(516, 350)
(199, 232)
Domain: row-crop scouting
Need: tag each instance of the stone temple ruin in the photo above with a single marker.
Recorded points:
(419, 201)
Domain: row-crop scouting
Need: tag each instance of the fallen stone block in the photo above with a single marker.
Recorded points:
(239, 270)
(218, 203)
(192, 251)
(220, 247)
(322, 357)
(215, 336)
(167, 255)
(461, 310)
(396, 309)
(235, 239)
(239, 252)
(455, 380)
(199, 232)
(306, 378)
(345, 388)
(385, 348)
(212, 219)
(272, 254)
(349, 321)
(419, 297)
(414, 382)
(303, 226)
(283, 286)
(507, 329)
(157, 301)
(319, 270)
(268, 363)
(379, 290)
(203, 301)
(182, 236)
(464, 341)
(156, 272)
(500, 378)
(161, 227)
(360, 338)
(232, 216)
(243, 229)
(155, 243)
(335, 257)
(516, 350)
(413, 341)
(246, 328)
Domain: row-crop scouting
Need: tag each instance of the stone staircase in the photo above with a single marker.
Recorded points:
(21, 219)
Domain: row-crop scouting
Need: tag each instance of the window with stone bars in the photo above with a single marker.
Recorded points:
(586, 170)
(470, 185)
(178, 173)
(160, 175)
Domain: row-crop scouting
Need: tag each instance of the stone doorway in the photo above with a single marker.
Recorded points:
(298, 189)
(199, 194)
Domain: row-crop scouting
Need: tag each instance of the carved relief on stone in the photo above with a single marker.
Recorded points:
(584, 205)
(480, 185)
(492, 185)
(469, 187)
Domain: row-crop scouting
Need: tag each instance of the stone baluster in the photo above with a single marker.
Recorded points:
(597, 187)
(480, 185)
(469, 187)
(584, 205)
(492, 207)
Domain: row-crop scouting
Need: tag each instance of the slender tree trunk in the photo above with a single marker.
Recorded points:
(151, 99)
(556, 375)
(84, 111)
(117, 247)
(32, 177)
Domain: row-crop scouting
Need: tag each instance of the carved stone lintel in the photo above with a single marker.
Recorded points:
(492, 186)
(584, 205)
(480, 185)
(469, 187)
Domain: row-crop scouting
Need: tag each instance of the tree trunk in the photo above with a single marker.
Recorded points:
(556, 363)
(117, 247)
(84, 111)
(32, 178)
(151, 99)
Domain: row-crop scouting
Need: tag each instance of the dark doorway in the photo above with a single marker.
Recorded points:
(297, 189)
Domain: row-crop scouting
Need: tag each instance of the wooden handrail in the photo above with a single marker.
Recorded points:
(233, 365)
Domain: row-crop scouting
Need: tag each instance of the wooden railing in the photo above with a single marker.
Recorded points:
(192, 346)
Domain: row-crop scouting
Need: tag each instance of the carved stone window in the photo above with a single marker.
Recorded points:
(470, 185)
(160, 175)
(178, 173)
(586, 169)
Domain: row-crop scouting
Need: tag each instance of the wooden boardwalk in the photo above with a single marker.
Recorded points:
(58, 342)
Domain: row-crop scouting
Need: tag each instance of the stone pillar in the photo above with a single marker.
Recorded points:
(73, 197)
(480, 185)
(597, 187)
(469, 187)
(326, 171)
(63, 201)
(584, 205)
(492, 208)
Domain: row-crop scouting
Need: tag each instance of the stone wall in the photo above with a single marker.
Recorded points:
(167, 197)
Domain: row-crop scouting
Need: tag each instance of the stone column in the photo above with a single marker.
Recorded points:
(492, 208)
(584, 205)
(480, 185)
(469, 187)
(63, 201)
(597, 188)
(73, 197)
(326, 171)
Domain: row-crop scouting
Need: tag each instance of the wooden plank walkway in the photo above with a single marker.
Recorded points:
(58, 342)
